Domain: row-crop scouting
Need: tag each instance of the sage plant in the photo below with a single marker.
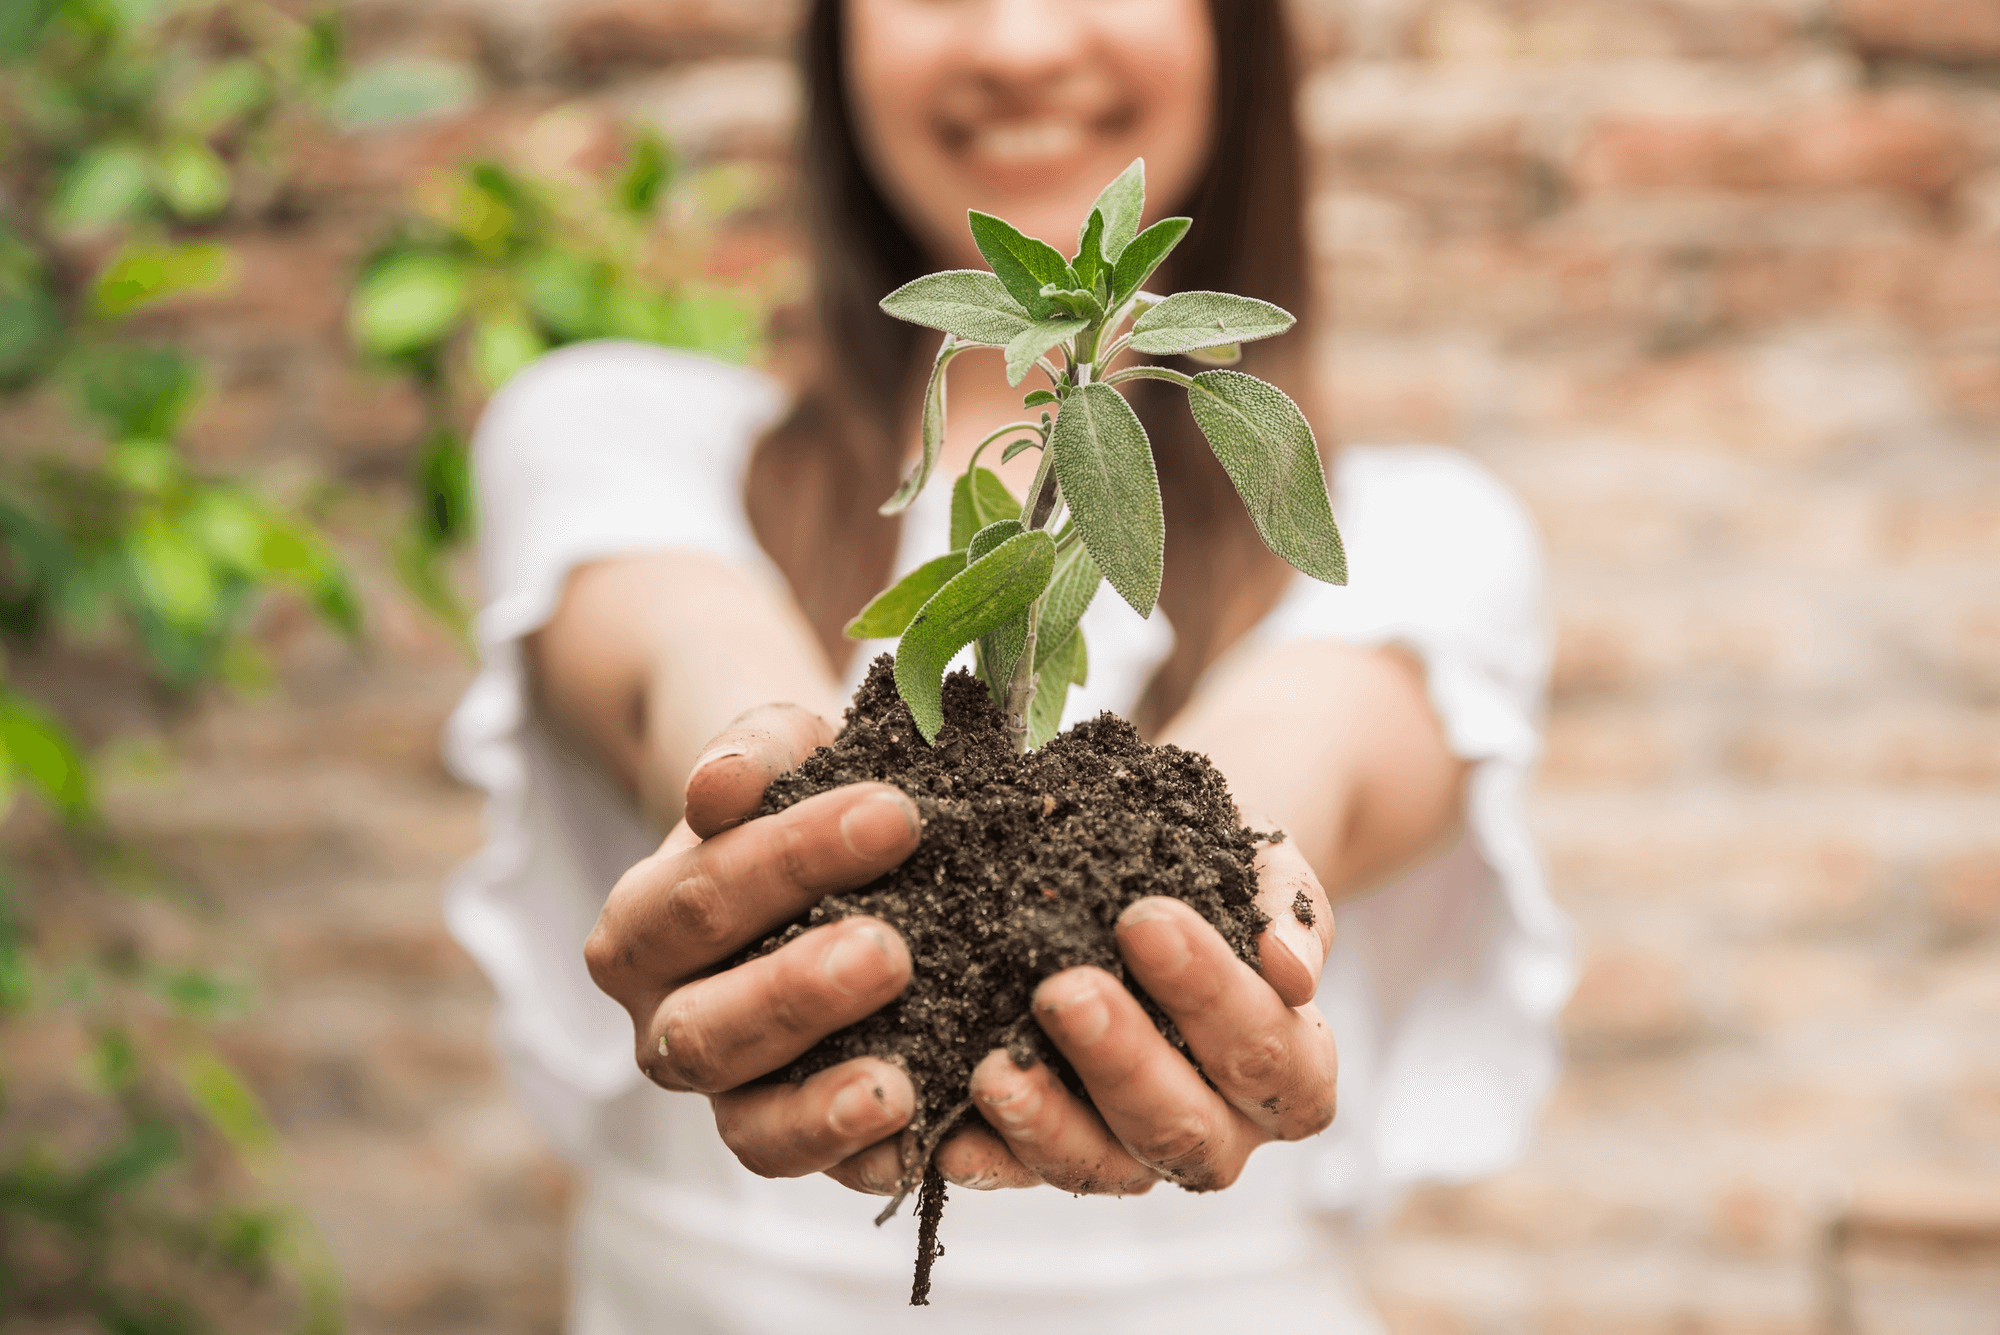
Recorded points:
(1022, 572)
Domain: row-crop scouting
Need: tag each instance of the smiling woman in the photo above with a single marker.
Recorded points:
(671, 550)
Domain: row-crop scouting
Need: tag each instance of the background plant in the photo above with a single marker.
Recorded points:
(1021, 573)
(496, 266)
(141, 1186)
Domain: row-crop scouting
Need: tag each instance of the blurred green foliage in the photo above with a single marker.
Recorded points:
(141, 1187)
(496, 265)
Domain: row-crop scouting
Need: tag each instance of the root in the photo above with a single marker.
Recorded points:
(930, 1208)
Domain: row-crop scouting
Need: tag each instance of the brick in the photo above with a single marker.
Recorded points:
(1950, 32)
(1899, 146)
(599, 37)
(1965, 892)
(1897, 747)
(1629, 1000)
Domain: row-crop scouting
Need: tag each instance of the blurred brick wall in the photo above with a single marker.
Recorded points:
(1714, 283)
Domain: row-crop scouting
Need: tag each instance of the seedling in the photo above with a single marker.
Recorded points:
(1021, 573)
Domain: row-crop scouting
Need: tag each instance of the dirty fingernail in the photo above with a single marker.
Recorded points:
(1165, 945)
(714, 754)
(1083, 1018)
(879, 825)
(1301, 943)
(859, 961)
(859, 1110)
(1010, 1101)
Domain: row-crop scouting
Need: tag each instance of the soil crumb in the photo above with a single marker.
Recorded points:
(1025, 864)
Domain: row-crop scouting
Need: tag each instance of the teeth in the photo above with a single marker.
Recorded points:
(1029, 141)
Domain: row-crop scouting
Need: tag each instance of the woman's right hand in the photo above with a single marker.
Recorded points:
(719, 884)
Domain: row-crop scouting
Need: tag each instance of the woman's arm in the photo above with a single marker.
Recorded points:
(1335, 744)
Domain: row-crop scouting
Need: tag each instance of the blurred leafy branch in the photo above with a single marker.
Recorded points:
(141, 1186)
(496, 265)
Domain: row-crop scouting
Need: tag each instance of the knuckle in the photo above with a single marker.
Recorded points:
(697, 912)
(684, 1051)
(1178, 1150)
(603, 957)
(1260, 1062)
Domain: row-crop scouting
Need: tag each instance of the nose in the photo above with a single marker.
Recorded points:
(1023, 46)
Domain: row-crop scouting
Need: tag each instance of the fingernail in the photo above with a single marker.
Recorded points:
(1300, 942)
(858, 961)
(859, 1110)
(1013, 1104)
(712, 755)
(1083, 1018)
(1165, 945)
(879, 825)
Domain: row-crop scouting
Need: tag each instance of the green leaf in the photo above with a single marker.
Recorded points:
(1072, 302)
(969, 304)
(407, 302)
(109, 183)
(1022, 263)
(1089, 262)
(1105, 466)
(173, 572)
(1071, 588)
(1135, 266)
(1037, 339)
(229, 1104)
(1225, 354)
(34, 744)
(981, 598)
(193, 180)
(1123, 204)
(228, 92)
(141, 275)
(442, 481)
(1065, 665)
(398, 89)
(1189, 320)
(647, 175)
(889, 613)
(1015, 447)
(1267, 448)
(933, 430)
(138, 391)
(501, 345)
(1035, 398)
(979, 498)
(990, 537)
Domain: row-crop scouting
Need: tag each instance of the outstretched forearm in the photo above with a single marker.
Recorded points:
(1338, 745)
(649, 656)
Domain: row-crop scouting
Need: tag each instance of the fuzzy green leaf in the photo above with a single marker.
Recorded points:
(1105, 466)
(995, 533)
(979, 498)
(1071, 589)
(1122, 203)
(933, 430)
(889, 613)
(981, 598)
(971, 304)
(1223, 354)
(1189, 320)
(1067, 665)
(1035, 398)
(999, 648)
(1037, 339)
(1137, 262)
(1267, 448)
(1022, 263)
(1014, 447)
(1089, 262)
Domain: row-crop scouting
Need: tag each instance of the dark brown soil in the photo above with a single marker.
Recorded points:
(1025, 864)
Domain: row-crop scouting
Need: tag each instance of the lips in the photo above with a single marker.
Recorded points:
(1027, 143)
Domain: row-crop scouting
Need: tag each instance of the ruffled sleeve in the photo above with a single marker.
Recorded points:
(1443, 986)
(598, 450)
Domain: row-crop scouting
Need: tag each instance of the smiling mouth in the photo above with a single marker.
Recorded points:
(1047, 141)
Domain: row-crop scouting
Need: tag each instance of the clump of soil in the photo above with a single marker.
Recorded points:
(1024, 866)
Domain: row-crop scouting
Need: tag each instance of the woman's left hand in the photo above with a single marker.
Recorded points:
(1255, 1033)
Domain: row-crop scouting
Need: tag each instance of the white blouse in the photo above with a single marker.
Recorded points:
(1442, 987)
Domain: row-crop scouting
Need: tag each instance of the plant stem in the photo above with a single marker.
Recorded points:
(1165, 373)
(1036, 511)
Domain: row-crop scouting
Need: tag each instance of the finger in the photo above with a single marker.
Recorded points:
(1052, 1133)
(974, 1158)
(791, 1130)
(1153, 1101)
(1291, 951)
(673, 915)
(877, 1170)
(1275, 1065)
(717, 1032)
(726, 783)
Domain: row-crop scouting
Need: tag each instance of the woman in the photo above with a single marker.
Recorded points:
(670, 550)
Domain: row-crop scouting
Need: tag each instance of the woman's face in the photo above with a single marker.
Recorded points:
(1027, 108)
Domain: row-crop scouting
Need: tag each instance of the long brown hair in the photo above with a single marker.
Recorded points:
(817, 477)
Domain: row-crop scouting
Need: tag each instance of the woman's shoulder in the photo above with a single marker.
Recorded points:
(663, 388)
